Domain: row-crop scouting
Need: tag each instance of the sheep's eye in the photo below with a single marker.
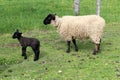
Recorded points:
(49, 18)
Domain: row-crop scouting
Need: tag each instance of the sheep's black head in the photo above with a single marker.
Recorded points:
(16, 34)
(48, 19)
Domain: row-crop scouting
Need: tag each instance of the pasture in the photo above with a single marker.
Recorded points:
(54, 62)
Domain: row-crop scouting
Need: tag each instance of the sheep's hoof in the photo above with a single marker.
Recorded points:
(95, 52)
(76, 50)
(22, 55)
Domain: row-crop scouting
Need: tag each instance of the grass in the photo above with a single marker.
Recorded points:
(54, 62)
(29, 14)
(74, 66)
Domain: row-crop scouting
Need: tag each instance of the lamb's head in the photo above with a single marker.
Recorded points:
(16, 34)
(49, 18)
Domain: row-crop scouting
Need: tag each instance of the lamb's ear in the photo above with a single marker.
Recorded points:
(17, 30)
(20, 33)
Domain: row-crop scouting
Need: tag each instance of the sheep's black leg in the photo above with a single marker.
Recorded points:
(37, 52)
(68, 44)
(74, 42)
(97, 47)
(24, 52)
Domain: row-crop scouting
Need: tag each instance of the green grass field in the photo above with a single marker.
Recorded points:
(54, 62)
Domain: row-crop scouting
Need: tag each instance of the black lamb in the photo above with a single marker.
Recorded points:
(25, 42)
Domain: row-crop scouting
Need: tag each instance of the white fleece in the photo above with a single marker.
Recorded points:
(81, 27)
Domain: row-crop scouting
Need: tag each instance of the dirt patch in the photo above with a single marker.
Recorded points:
(10, 45)
(42, 62)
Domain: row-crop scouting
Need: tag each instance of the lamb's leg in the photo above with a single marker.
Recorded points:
(97, 47)
(24, 52)
(74, 42)
(68, 44)
(36, 55)
(37, 52)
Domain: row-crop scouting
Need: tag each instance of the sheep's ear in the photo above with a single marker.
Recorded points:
(53, 17)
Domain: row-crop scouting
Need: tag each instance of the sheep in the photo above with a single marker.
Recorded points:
(80, 27)
(25, 42)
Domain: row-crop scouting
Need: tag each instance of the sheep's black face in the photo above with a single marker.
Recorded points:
(17, 34)
(48, 19)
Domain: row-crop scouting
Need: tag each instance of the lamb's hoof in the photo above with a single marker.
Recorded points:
(67, 51)
(36, 59)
